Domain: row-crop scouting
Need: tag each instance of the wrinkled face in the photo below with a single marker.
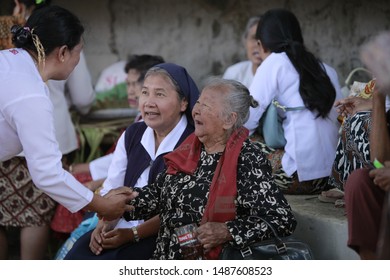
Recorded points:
(134, 88)
(159, 103)
(252, 49)
(208, 116)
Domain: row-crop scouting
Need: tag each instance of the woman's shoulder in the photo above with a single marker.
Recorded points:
(252, 149)
(236, 68)
(17, 63)
(276, 62)
(253, 158)
(135, 131)
(277, 59)
(137, 126)
(239, 65)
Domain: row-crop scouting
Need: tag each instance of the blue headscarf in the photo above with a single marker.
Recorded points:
(186, 84)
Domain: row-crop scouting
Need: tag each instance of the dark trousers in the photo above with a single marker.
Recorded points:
(142, 250)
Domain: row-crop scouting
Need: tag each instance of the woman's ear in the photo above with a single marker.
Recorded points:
(183, 105)
(62, 53)
(230, 121)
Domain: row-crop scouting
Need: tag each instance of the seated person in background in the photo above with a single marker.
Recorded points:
(111, 88)
(216, 167)
(167, 98)
(111, 76)
(305, 163)
(136, 68)
(353, 150)
(365, 190)
(244, 71)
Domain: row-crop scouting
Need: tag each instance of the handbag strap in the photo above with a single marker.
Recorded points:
(361, 69)
(281, 247)
(284, 108)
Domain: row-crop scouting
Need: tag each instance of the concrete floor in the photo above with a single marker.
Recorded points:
(322, 226)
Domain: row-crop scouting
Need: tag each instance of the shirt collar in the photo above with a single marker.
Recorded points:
(169, 142)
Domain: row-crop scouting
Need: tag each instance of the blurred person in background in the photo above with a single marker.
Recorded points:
(244, 71)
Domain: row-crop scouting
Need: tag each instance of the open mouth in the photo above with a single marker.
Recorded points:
(151, 114)
(133, 102)
(256, 54)
(198, 122)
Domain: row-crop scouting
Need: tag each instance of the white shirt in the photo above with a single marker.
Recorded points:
(311, 142)
(77, 91)
(26, 124)
(241, 71)
(99, 167)
(111, 76)
(117, 170)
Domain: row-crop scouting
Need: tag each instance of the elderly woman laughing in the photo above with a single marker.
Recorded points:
(216, 178)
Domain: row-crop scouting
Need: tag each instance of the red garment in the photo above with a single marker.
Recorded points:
(363, 204)
(220, 206)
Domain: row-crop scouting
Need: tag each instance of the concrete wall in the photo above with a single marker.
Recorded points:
(205, 35)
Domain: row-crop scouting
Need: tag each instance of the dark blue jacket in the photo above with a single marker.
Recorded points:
(138, 158)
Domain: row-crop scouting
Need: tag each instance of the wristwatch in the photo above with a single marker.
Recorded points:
(135, 234)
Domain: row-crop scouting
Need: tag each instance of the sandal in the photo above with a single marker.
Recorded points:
(331, 196)
(339, 203)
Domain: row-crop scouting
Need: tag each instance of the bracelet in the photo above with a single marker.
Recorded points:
(135, 233)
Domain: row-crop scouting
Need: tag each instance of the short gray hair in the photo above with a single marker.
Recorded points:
(237, 98)
(375, 54)
(250, 23)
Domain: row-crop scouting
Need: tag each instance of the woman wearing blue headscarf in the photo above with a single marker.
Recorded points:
(167, 98)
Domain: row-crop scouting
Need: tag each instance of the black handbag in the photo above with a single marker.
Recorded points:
(277, 248)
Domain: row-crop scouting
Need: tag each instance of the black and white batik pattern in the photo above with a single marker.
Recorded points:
(353, 149)
(180, 199)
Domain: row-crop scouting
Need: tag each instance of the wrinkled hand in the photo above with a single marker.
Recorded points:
(116, 203)
(116, 237)
(212, 234)
(381, 176)
(351, 105)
